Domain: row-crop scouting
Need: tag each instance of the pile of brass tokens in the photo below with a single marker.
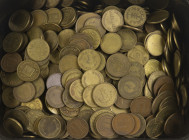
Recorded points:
(104, 74)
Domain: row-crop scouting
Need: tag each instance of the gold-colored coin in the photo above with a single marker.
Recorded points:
(54, 15)
(54, 57)
(177, 63)
(175, 24)
(51, 26)
(35, 104)
(133, 28)
(53, 68)
(166, 67)
(85, 114)
(137, 69)
(158, 17)
(76, 75)
(111, 76)
(139, 54)
(51, 109)
(135, 16)
(45, 73)
(151, 66)
(52, 3)
(176, 40)
(35, 33)
(92, 77)
(69, 112)
(111, 43)
(116, 110)
(89, 59)
(87, 96)
(76, 90)
(52, 39)
(40, 17)
(102, 63)
(68, 62)
(28, 70)
(8, 98)
(69, 49)
(184, 95)
(20, 93)
(39, 87)
(38, 50)
(104, 95)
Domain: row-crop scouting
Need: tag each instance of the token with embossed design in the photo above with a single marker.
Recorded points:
(34, 104)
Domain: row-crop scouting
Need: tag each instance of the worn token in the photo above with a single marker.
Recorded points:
(39, 87)
(92, 77)
(52, 39)
(28, 70)
(151, 66)
(137, 69)
(151, 27)
(111, 43)
(139, 54)
(123, 124)
(68, 62)
(167, 86)
(51, 26)
(70, 17)
(35, 33)
(147, 92)
(112, 20)
(35, 104)
(117, 110)
(8, 98)
(69, 49)
(89, 59)
(13, 127)
(129, 39)
(37, 4)
(52, 3)
(104, 95)
(177, 63)
(158, 17)
(54, 80)
(67, 3)
(45, 73)
(69, 112)
(51, 109)
(54, 15)
(85, 114)
(135, 16)
(123, 103)
(78, 128)
(39, 17)
(76, 90)
(130, 87)
(20, 93)
(10, 61)
(142, 106)
(53, 68)
(118, 65)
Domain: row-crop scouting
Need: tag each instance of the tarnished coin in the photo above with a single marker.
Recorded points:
(52, 3)
(10, 61)
(175, 24)
(35, 33)
(52, 39)
(130, 87)
(137, 69)
(85, 114)
(142, 106)
(35, 104)
(129, 39)
(38, 50)
(54, 97)
(69, 112)
(158, 17)
(20, 93)
(54, 15)
(89, 59)
(67, 3)
(117, 110)
(118, 65)
(151, 27)
(123, 124)
(184, 95)
(76, 90)
(78, 128)
(111, 43)
(151, 66)
(39, 87)
(68, 62)
(51, 26)
(177, 63)
(157, 5)
(70, 49)
(112, 20)
(104, 95)
(51, 109)
(122, 102)
(53, 68)
(147, 92)
(135, 16)
(39, 17)
(8, 98)
(102, 63)
(28, 70)
(37, 4)
(54, 80)
(92, 77)
(137, 2)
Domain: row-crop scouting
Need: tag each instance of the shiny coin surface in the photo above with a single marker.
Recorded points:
(35, 104)
(151, 66)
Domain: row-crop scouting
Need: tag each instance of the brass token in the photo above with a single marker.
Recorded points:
(10, 61)
(54, 80)
(70, 17)
(177, 63)
(168, 102)
(33, 115)
(52, 3)
(35, 33)
(54, 15)
(86, 114)
(54, 57)
(118, 65)
(78, 128)
(177, 40)
(28, 70)
(64, 37)
(139, 54)
(123, 103)
(45, 73)
(70, 49)
(129, 39)
(102, 63)
(154, 128)
(51, 109)
(39, 17)
(116, 110)
(147, 92)
(130, 87)
(51, 26)
(158, 17)
(8, 99)
(22, 108)
(68, 62)
(35, 104)
(184, 95)
(135, 16)
(151, 66)
(111, 43)
(13, 42)
(53, 97)
(76, 90)
(155, 44)
(69, 112)
(13, 127)
(111, 77)
(53, 68)
(167, 86)
(112, 24)
(104, 95)
(38, 50)
(137, 2)
(39, 87)
(52, 39)
(20, 93)
(87, 96)
(149, 118)
(123, 124)
(89, 59)
(137, 69)
(92, 77)
(67, 3)
(151, 27)
(142, 106)
(37, 4)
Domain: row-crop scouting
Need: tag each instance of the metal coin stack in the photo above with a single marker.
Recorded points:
(104, 74)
